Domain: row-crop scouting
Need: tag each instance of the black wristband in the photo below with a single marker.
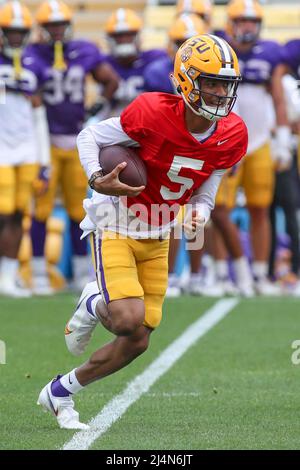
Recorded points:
(94, 176)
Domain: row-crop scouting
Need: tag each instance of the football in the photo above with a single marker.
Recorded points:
(134, 174)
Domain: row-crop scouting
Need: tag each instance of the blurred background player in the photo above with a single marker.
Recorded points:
(287, 188)
(24, 140)
(261, 89)
(63, 65)
(157, 74)
(201, 8)
(122, 31)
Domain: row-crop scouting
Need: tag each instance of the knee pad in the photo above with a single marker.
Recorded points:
(54, 240)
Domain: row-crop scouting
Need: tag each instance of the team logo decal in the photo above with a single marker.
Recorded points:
(186, 54)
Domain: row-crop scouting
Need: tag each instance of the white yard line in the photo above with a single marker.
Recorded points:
(115, 408)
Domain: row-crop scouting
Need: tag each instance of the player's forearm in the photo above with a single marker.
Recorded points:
(203, 199)
(109, 89)
(88, 152)
(93, 138)
(108, 78)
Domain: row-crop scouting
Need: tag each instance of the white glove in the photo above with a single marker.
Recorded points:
(282, 148)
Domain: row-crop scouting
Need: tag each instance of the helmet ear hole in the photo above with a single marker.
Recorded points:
(179, 89)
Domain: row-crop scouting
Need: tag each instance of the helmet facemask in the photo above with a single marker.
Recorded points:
(14, 40)
(206, 103)
(240, 32)
(124, 45)
(53, 32)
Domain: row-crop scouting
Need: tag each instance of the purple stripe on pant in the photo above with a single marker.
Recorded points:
(97, 250)
(38, 237)
(89, 304)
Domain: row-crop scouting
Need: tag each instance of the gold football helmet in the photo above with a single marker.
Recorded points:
(206, 57)
(248, 12)
(15, 26)
(55, 20)
(202, 8)
(183, 28)
(122, 29)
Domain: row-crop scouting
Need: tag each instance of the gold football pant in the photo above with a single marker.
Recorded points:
(126, 267)
(67, 174)
(16, 187)
(255, 174)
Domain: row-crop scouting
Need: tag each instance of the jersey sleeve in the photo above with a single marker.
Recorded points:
(157, 76)
(92, 56)
(276, 54)
(236, 146)
(93, 138)
(291, 55)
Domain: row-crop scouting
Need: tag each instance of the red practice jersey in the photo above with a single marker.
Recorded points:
(178, 164)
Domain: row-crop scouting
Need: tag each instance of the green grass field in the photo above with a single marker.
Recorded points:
(236, 388)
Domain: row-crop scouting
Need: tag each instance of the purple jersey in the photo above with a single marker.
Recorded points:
(291, 56)
(27, 83)
(258, 64)
(132, 78)
(157, 75)
(64, 91)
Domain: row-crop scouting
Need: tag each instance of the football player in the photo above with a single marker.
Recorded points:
(186, 142)
(286, 182)
(201, 8)
(291, 60)
(123, 29)
(63, 65)
(24, 140)
(261, 64)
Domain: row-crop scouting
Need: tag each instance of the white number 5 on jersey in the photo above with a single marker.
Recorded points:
(173, 174)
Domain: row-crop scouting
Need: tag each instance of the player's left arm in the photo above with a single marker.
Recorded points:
(104, 74)
(43, 143)
(202, 202)
(283, 140)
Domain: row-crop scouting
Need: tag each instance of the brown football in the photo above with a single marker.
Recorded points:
(134, 174)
